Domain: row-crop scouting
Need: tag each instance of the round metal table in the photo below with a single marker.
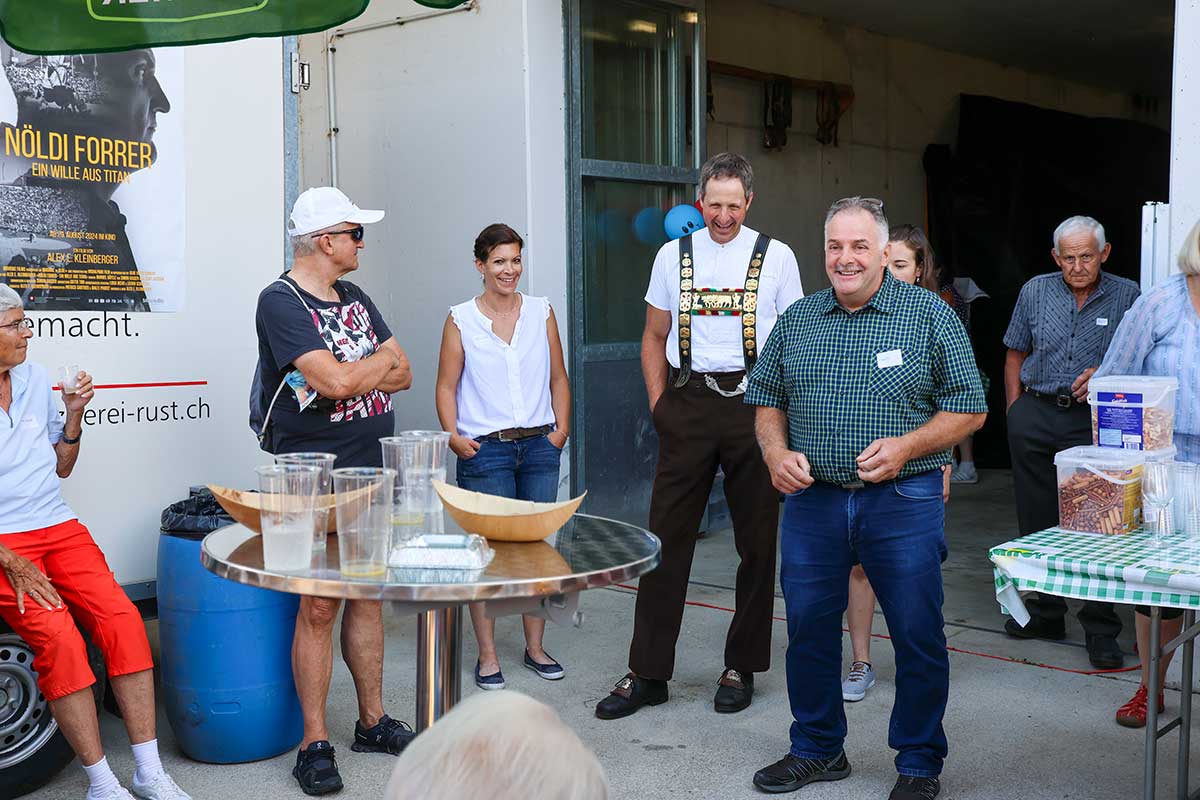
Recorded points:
(543, 578)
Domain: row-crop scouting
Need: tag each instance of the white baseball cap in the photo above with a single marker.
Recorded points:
(324, 206)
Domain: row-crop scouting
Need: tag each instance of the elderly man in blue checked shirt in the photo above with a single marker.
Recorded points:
(862, 389)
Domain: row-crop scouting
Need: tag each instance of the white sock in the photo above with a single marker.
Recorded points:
(145, 755)
(967, 464)
(101, 779)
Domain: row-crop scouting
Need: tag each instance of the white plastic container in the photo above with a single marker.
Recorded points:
(1100, 489)
(1133, 412)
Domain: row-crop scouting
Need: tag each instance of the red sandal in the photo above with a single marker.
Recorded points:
(1133, 713)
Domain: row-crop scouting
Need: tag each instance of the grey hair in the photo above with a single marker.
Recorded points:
(727, 165)
(306, 243)
(1079, 224)
(463, 755)
(9, 299)
(1189, 254)
(867, 204)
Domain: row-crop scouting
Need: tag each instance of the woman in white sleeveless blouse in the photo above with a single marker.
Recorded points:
(503, 394)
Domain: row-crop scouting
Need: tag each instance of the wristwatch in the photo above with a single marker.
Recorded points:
(68, 440)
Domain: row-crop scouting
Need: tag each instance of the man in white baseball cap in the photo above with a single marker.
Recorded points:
(327, 368)
(324, 207)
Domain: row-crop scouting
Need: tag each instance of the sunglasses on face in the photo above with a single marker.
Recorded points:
(356, 234)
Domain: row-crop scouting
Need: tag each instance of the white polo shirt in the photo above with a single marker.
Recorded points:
(717, 340)
(29, 487)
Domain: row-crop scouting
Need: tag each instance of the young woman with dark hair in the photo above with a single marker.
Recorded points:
(503, 394)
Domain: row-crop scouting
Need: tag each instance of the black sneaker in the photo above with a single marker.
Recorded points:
(910, 788)
(791, 772)
(1037, 628)
(316, 769)
(1104, 653)
(386, 736)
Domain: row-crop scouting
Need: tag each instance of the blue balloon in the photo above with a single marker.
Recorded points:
(681, 220)
(646, 225)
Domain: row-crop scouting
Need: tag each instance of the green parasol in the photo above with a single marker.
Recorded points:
(53, 27)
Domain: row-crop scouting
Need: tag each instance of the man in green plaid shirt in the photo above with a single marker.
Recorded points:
(862, 389)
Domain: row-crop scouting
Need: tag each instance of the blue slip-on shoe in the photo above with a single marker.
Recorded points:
(489, 683)
(551, 672)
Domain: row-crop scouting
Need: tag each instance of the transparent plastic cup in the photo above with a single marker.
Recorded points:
(363, 498)
(68, 378)
(407, 517)
(323, 462)
(1187, 499)
(424, 455)
(288, 496)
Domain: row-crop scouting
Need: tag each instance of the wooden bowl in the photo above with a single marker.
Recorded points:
(244, 507)
(502, 519)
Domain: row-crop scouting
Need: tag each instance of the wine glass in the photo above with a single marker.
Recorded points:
(1157, 493)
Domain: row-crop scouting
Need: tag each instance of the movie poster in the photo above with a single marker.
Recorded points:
(92, 180)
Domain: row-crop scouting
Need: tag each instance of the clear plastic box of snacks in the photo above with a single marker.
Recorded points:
(1100, 489)
(1134, 412)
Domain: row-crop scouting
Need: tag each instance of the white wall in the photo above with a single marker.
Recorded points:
(906, 98)
(129, 471)
(449, 124)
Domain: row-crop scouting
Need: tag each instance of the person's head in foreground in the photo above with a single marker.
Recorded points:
(499, 745)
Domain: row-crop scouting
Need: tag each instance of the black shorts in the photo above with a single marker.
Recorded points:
(1167, 613)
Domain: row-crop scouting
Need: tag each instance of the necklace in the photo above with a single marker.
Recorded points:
(494, 312)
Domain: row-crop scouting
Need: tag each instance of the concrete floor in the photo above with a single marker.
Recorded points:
(1021, 723)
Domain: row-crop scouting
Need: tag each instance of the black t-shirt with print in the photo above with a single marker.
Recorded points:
(352, 329)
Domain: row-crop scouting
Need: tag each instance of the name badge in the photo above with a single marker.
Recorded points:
(1102, 322)
(890, 358)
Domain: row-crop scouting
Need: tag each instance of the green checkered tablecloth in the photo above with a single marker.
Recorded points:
(1130, 568)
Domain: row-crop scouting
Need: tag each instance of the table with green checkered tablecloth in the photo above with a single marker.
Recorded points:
(1130, 568)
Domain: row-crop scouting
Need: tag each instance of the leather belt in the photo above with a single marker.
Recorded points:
(517, 434)
(701, 380)
(1062, 400)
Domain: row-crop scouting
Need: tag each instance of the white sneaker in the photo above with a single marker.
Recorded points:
(964, 473)
(160, 787)
(118, 792)
(860, 679)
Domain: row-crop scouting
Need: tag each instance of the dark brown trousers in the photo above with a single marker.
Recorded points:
(698, 430)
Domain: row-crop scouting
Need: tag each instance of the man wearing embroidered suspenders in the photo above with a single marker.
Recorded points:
(713, 298)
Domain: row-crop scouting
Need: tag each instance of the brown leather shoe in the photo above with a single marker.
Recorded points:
(734, 691)
(630, 694)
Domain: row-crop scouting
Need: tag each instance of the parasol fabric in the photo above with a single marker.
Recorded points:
(55, 27)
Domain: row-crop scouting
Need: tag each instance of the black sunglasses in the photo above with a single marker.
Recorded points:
(355, 233)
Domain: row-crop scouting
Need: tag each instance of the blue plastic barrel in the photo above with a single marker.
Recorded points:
(226, 660)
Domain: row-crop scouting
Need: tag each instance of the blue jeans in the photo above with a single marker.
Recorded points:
(895, 530)
(522, 470)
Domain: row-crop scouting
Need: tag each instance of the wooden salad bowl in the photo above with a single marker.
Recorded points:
(502, 519)
(244, 507)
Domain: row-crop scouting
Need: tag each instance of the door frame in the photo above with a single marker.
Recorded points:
(580, 168)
